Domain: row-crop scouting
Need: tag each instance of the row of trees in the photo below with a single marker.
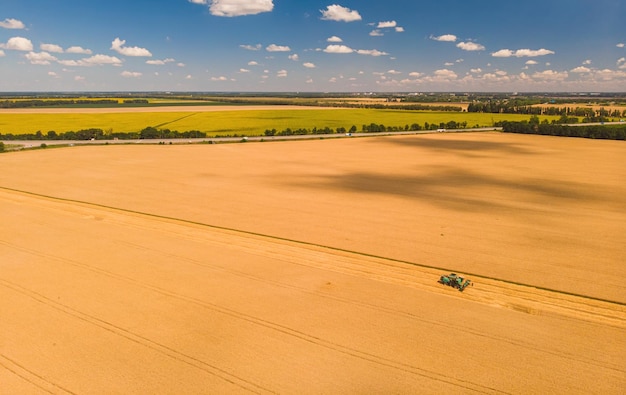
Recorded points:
(589, 114)
(65, 102)
(611, 132)
(371, 128)
(99, 134)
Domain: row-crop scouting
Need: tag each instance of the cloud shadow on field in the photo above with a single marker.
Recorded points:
(457, 145)
(451, 188)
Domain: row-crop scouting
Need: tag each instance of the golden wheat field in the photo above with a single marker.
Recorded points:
(308, 267)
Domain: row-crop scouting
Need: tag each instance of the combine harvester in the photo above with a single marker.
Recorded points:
(454, 281)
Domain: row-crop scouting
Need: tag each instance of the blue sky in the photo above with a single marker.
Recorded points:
(313, 46)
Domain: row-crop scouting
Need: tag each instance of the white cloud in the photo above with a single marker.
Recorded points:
(253, 63)
(2, 53)
(334, 48)
(503, 53)
(242, 70)
(251, 47)
(415, 74)
(98, 60)
(181, 64)
(188, 77)
(79, 50)
(394, 72)
(334, 39)
(531, 62)
(199, 1)
(470, 46)
(376, 33)
(53, 74)
(220, 78)
(340, 14)
(620, 45)
(281, 73)
(159, 62)
(399, 29)
(51, 48)
(476, 70)
(277, 48)
(294, 57)
(444, 37)
(588, 61)
(621, 63)
(11, 23)
(232, 8)
(371, 52)
(40, 58)
(551, 75)
(131, 74)
(507, 53)
(18, 44)
(386, 24)
(308, 65)
(580, 69)
(117, 45)
(445, 74)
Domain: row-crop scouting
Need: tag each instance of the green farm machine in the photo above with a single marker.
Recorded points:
(454, 281)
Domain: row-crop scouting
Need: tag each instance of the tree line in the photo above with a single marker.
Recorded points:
(609, 132)
(99, 134)
(65, 102)
(368, 128)
(513, 107)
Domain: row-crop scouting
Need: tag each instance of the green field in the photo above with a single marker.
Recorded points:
(252, 122)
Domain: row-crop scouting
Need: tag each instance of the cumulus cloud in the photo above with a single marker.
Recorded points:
(309, 65)
(242, 70)
(444, 37)
(281, 73)
(251, 47)
(551, 75)
(117, 45)
(131, 74)
(371, 52)
(335, 48)
(233, 8)
(159, 62)
(18, 44)
(470, 46)
(376, 33)
(51, 48)
(386, 24)
(220, 78)
(40, 58)
(581, 69)
(334, 39)
(621, 63)
(79, 50)
(294, 57)
(340, 14)
(620, 45)
(445, 74)
(11, 23)
(531, 62)
(277, 48)
(98, 60)
(399, 29)
(507, 53)
(253, 63)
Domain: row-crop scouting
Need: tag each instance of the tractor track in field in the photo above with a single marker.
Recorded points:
(526, 298)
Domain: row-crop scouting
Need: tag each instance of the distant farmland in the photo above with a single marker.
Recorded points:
(225, 120)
